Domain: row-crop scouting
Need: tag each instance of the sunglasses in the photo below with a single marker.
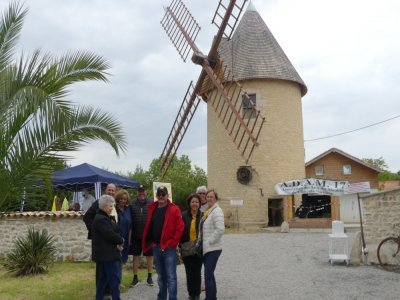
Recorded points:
(201, 193)
(161, 195)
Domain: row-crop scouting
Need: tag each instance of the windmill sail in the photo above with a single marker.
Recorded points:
(216, 84)
(181, 28)
(182, 121)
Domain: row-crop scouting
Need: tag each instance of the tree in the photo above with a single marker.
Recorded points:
(387, 176)
(377, 162)
(183, 178)
(380, 163)
(38, 126)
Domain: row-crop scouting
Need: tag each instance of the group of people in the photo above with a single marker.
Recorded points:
(155, 229)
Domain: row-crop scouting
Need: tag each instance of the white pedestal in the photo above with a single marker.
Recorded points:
(338, 248)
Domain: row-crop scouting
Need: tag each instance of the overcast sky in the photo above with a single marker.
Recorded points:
(347, 53)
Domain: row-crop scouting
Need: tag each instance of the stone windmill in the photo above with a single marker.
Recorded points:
(254, 117)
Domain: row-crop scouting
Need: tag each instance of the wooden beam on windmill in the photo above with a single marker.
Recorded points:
(215, 80)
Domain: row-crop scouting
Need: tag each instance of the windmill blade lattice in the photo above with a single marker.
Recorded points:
(235, 109)
(182, 121)
(234, 15)
(181, 28)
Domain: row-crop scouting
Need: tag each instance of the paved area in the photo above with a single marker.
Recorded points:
(285, 266)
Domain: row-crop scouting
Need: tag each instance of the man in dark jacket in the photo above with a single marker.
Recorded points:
(163, 231)
(106, 249)
(88, 218)
(139, 218)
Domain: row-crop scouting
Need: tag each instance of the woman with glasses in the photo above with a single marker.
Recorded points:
(124, 212)
(201, 191)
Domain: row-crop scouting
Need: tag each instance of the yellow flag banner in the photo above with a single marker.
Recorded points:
(65, 205)
(53, 208)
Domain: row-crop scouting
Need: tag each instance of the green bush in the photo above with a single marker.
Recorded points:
(32, 254)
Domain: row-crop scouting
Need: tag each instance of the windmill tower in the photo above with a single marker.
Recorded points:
(253, 96)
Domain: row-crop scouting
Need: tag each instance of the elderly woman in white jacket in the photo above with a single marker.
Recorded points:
(212, 228)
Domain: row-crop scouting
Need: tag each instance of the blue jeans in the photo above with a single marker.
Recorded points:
(109, 274)
(210, 263)
(165, 261)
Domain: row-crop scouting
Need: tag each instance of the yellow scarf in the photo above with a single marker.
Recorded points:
(192, 233)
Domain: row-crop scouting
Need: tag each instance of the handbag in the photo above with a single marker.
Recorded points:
(188, 248)
(199, 250)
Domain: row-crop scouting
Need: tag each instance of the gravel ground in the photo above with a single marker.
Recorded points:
(285, 266)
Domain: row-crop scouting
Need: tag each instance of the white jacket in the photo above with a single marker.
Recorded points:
(213, 229)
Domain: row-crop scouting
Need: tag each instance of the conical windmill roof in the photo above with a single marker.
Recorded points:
(253, 52)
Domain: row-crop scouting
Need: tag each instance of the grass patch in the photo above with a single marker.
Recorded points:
(65, 280)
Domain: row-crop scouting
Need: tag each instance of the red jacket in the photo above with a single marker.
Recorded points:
(172, 228)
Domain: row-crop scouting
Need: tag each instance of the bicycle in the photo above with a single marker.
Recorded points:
(388, 252)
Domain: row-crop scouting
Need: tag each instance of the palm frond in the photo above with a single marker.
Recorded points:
(75, 67)
(38, 126)
(10, 28)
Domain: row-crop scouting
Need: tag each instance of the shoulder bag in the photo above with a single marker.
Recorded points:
(188, 248)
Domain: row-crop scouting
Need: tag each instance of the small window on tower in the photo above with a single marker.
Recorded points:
(249, 105)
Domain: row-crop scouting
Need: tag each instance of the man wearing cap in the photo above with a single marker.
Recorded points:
(139, 218)
(164, 228)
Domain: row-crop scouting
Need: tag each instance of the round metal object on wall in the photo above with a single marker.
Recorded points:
(243, 175)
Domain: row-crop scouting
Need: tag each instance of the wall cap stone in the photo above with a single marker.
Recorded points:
(40, 214)
(380, 193)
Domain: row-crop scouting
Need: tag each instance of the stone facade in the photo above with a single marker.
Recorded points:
(279, 156)
(380, 211)
(68, 229)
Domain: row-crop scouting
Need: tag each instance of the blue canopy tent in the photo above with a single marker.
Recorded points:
(88, 176)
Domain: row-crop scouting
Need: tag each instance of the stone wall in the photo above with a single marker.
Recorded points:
(67, 227)
(380, 211)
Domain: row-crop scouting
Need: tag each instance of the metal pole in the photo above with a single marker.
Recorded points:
(23, 201)
(237, 216)
(364, 247)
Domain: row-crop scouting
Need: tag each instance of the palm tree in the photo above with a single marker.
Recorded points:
(38, 126)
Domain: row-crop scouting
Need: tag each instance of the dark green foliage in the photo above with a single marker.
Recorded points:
(387, 175)
(32, 254)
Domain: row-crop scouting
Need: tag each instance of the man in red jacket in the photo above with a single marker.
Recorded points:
(162, 233)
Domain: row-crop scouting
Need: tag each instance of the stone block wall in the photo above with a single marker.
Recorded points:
(67, 228)
(380, 211)
(278, 157)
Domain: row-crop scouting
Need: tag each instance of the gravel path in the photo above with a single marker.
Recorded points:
(285, 266)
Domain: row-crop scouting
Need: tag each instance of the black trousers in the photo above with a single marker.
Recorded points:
(98, 275)
(193, 274)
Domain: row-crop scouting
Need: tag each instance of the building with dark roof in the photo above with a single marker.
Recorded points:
(269, 78)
